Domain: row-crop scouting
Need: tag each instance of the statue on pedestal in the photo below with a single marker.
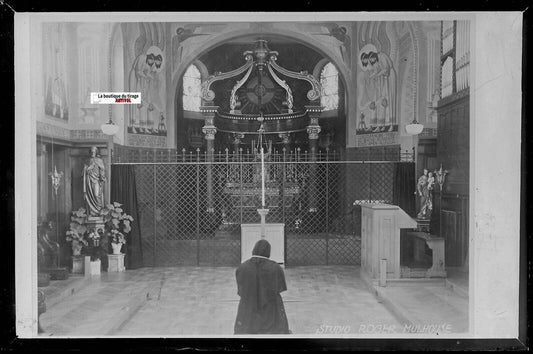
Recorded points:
(424, 187)
(93, 183)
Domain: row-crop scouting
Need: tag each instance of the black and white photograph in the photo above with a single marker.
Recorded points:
(273, 175)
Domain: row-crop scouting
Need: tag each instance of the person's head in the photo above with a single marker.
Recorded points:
(373, 58)
(364, 59)
(430, 174)
(150, 59)
(94, 151)
(158, 60)
(425, 171)
(261, 248)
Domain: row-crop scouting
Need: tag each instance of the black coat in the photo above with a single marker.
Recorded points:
(260, 282)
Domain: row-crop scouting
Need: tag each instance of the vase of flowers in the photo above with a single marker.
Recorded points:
(117, 240)
(117, 224)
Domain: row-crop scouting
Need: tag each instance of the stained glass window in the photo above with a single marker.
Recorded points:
(329, 78)
(192, 81)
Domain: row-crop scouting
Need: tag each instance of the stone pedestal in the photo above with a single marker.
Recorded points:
(95, 223)
(115, 263)
(423, 225)
(78, 263)
(94, 268)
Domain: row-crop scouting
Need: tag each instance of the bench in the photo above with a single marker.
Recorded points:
(436, 244)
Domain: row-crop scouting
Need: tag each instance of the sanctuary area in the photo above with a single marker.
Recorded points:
(165, 150)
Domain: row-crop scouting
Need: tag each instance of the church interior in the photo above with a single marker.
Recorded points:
(345, 144)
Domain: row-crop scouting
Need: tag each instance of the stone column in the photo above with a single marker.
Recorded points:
(313, 129)
(209, 131)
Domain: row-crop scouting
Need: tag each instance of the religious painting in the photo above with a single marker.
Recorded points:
(54, 63)
(146, 76)
(377, 83)
(378, 92)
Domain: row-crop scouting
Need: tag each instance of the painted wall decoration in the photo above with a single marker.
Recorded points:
(377, 139)
(54, 68)
(89, 45)
(147, 76)
(378, 90)
(377, 83)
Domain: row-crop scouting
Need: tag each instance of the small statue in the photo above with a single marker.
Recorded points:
(93, 183)
(423, 190)
(431, 184)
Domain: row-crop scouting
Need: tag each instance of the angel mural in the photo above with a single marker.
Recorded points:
(146, 77)
(377, 86)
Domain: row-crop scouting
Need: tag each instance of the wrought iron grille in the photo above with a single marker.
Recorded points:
(191, 210)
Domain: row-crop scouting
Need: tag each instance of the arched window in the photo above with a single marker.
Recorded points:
(192, 82)
(329, 78)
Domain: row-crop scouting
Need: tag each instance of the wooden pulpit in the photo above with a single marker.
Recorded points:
(380, 238)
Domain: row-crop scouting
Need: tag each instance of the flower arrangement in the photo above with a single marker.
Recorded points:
(117, 237)
(95, 242)
(117, 222)
(78, 230)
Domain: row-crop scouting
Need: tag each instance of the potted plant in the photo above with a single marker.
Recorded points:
(117, 224)
(77, 232)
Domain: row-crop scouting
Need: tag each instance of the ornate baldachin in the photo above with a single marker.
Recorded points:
(233, 101)
(262, 57)
(267, 117)
(316, 88)
(208, 94)
(283, 84)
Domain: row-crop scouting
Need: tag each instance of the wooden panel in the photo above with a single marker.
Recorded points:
(454, 237)
(453, 144)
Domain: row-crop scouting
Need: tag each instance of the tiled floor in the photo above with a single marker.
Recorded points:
(203, 301)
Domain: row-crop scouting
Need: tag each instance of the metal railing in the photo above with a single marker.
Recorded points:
(125, 154)
(191, 210)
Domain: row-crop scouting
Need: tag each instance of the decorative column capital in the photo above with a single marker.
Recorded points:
(313, 131)
(209, 131)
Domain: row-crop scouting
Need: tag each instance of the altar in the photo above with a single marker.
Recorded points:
(245, 198)
(274, 234)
